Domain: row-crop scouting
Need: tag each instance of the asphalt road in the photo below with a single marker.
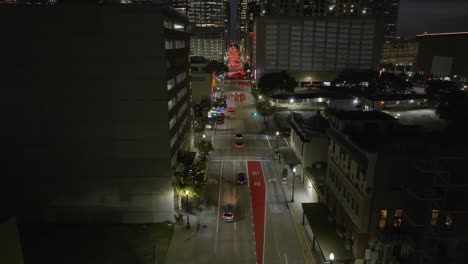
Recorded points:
(263, 230)
(235, 242)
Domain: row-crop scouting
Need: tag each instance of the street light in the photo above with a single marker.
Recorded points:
(260, 97)
(204, 136)
(332, 257)
(277, 149)
(188, 220)
(293, 176)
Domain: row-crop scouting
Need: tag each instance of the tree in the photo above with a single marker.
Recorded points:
(276, 82)
(187, 178)
(216, 66)
(204, 147)
(205, 103)
(265, 109)
(453, 107)
(438, 89)
(389, 82)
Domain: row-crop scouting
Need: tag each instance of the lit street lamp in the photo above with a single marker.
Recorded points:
(293, 176)
(332, 257)
(204, 136)
(188, 220)
(277, 149)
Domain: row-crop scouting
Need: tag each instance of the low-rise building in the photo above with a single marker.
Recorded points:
(202, 82)
(382, 102)
(384, 184)
(310, 143)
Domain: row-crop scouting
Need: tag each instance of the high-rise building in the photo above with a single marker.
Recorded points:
(386, 10)
(208, 27)
(102, 101)
(242, 17)
(400, 52)
(315, 48)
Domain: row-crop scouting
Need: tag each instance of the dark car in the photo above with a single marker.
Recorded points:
(220, 120)
(228, 213)
(242, 178)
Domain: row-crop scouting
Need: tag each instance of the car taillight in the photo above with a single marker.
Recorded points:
(232, 215)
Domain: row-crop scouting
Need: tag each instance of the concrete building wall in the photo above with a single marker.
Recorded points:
(202, 84)
(88, 117)
(316, 48)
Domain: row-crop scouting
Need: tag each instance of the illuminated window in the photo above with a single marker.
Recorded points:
(382, 219)
(449, 220)
(435, 217)
(397, 217)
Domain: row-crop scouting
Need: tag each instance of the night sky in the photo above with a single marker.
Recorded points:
(418, 16)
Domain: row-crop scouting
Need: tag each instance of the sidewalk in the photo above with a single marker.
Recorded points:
(295, 208)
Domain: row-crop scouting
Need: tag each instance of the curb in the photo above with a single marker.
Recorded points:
(303, 240)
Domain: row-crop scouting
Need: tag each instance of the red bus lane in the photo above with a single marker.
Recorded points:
(257, 196)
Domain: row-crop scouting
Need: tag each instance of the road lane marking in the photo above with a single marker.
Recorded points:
(235, 171)
(276, 243)
(217, 213)
(268, 141)
(264, 211)
(285, 258)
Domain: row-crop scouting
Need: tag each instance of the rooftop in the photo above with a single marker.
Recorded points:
(396, 97)
(442, 34)
(363, 115)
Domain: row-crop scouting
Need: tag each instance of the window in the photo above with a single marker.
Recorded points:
(170, 84)
(382, 219)
(168, 44)
(448, 220)
(397, 217)
(435, 217)
(179, 26)
(167, 23)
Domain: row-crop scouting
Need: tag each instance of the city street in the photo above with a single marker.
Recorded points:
(262, 230)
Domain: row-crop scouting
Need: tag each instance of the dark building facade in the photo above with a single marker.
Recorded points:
(443, 54)
(102, 103)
